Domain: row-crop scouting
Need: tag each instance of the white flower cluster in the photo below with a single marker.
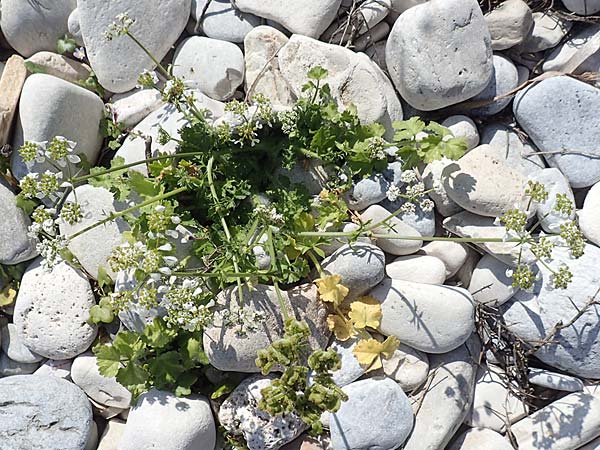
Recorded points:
(119, 27)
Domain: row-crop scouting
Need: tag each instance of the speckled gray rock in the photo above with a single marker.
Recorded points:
(9, 367)
(447, 398)
(43, 413)
(490, 282)
(161, 420)
(15, 245)
(240, 415)
(509, 24)
(494, 405)
(366, 192)
(13, 346)
(564, 424)
(261, 47)
(556, 114)
(310, 18)
(553, 380)
(51, 107)
(532, 316)
(97, 203)
(30, 27)
(213, 66)
(360, 265)
(418, 314)
(227, 350)
(452, 64)
(351, 370)
(106, 391)
(483, 185)
(417, 268)
(463, 127)
(505, 78)
(589, 222)
(353, 78)
(555, 184)
(580, 53)
(366, 400)
(43, 297)
(479, 439)
(222, 21)
(407, 367)
(506, 145)
(583, 7)
(117, 63)
(376, 214)
(548, 30)
(134, 106)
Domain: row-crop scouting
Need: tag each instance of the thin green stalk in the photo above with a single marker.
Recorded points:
(282, 304)
(334, 234)
(114, 216)
(164, 71)
(221, 274)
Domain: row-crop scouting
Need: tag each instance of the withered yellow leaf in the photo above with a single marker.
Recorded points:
(7, 296)
(365, 312)
(331, 290)
(368, 352)
(342, 329)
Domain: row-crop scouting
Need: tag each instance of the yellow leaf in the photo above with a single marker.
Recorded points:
(7, 296)
(365, 312)
(331, 290)
(368, 352)
(342, 329)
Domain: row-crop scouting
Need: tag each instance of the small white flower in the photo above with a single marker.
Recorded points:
(79, 53)
(175, 220)
(393, 193)
(165, 271)
(170, 260)
(160, 208)
(165, 248)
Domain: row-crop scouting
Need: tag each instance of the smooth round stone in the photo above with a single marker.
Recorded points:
(433, 180)
(261, 49)
(505, 78)
(118, 63)
(580, 53)
(547, 32)
(366, 400)
(54, 368)
(361, 266)
(12, 345)
(399, 6)
(74, 27)
(553, 380)
(222, 21)
(52, 309)
(407, 367)
(134, 106)
(555, 183)
(112, 435)
(532, 316)
(589, 222)
(30, 27)
(493, 403)
(417, 268)
(556, 114)
(418, 314)
(446, 399)
(15, 245)
(43, 412)
(457, 52)
(484, 185)
(106, 391)
(367, 192)
(161, 420)
(9, 367)
(309, 18)
(509, 24)
(228, 350)
(241, 416)
(480, 439)
(375, 214)
(463, 127)
(507, 146)
(452, 254)
(351, 369)
(214, 67)
(96, 203)
(51, 107)
(58, 66)
(583, 7)
(490, 282)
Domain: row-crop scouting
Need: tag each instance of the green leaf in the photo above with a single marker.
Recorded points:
(132, 375)
(142, 185)
(194, 352)
(129, 344)
(166, 368)
(317, 73)
(104, 279)
(66, 44)
(108, 360)
(158, 335)
(185, 383)
(223, 389)
(26, 204)
(101, 314)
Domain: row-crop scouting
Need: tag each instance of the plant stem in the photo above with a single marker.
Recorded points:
(221, 274)
(365, 232)
(164, 71)
(114, 216)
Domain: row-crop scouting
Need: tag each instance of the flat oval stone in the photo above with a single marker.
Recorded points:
(222, 21)
(589, 220)
(52, 309)
(15, 245)
(479, 439)
(407, 366)
(418, 314)
(490, 282)
(376, 214)
(43, 412)
(553, 380)
(417, 268)
(13, 346)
